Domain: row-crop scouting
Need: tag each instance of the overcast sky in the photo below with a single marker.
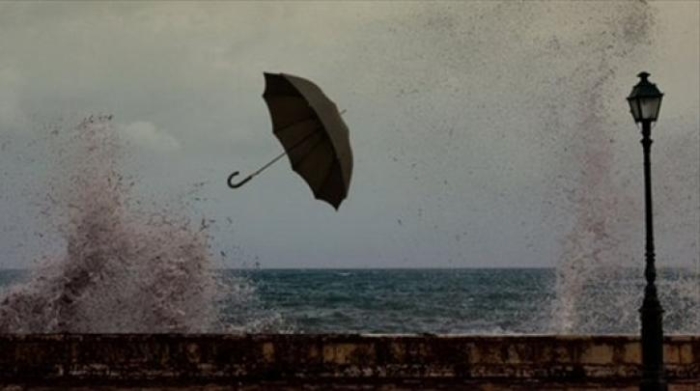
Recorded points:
(484, 133)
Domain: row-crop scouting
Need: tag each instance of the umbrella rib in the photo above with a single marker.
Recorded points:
(303, 140)
(286, 127)
(296, 164)
(328, 176)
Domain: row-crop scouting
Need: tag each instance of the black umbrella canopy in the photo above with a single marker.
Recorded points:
(313, 134)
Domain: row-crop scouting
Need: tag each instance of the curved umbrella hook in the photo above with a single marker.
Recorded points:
(239, 184)
(261, 169)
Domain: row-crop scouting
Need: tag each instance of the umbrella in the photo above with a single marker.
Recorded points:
(313, 135)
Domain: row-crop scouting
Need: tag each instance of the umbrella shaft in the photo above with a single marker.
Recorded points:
(273, 161)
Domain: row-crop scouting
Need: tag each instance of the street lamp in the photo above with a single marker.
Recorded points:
(645, 102)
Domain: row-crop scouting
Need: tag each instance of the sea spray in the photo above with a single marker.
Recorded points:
(123, 269)
(595, 258)
(599, 281)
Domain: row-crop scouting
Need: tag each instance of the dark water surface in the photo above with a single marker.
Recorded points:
(456, 301)
(404, 301)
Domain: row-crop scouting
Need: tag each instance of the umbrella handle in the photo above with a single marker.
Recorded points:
(261, 169)
(239, 184)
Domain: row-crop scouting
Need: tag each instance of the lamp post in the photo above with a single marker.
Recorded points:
(645, 102)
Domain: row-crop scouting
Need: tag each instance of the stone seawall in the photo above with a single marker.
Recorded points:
(336, 362)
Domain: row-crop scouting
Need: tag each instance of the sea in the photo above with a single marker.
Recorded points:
(436, 301)
(485, 301)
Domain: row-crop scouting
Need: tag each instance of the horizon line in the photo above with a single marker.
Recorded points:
(252, 268)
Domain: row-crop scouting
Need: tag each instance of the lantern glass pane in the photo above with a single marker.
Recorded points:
(650, 108)
(634, 109)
